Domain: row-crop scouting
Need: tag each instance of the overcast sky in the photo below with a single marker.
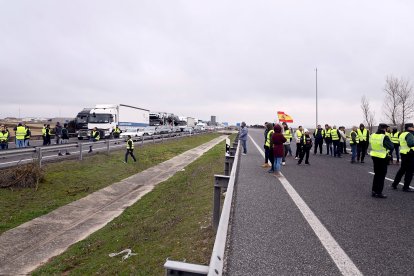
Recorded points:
(238, 60)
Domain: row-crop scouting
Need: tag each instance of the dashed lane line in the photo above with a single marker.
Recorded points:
(392, 180)
(338, 255)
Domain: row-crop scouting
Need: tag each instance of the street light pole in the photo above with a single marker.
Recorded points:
(316, 70)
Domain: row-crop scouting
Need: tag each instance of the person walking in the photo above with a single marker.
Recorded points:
(306, 144)
(269, 131)
(396, 141)
(278, 139)
(4, 138)
(287, 132)
(65, 138)
(328, 139)
(380, 146)
(243, 137)
(58, 133)
(95, 137)
(298, 136)
(363, 135)
(407, 159)
(130, 149)
(353, 142)
(20, 131)
(318, 136)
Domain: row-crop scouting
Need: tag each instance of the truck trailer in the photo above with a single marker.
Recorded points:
(105, 117)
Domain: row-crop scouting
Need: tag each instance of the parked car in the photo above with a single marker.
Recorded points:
(135, 135)
(164, 129)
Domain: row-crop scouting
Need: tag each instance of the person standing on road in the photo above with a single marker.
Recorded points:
(95, 137)
(287, 132)
(342, 141)
(396, 141)
(4, 138)
(27, 136)
(306, 144)
(363, 136)
(20, 131)
(318, 136)
(268, 136)
(335, 141)
(243, 137)
(58, 133)
(116, 132)
(44, 134)
(130, 150)
(328, 139)
(298, 136)
(65, 138)
(277, 142)
(47, 136)
(407, 158)
(380, 147)
(353, 142)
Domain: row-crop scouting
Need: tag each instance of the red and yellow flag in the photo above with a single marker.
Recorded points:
(284, 117)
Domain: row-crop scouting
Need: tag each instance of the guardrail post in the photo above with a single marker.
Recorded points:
(228, 164)
(153, 139)
(80, 151)
(39, 156)
(220, 181)
(142, 140)
(162, 138)
(107, 146)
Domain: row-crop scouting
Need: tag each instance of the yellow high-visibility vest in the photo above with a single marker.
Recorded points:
(132, 144)
(394, 138)
(404, 149)
(362, 135)
(20, 132)
(334, 134)
(269, 136)
(287, 134)
(377, 146)
(351, 142)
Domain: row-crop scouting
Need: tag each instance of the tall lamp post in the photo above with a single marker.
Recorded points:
(316, 71)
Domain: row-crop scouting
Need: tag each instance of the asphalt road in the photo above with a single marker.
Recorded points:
(343, 231)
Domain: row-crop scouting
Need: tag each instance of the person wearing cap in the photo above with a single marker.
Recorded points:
(407, 158)
(363, 136)
(353, 142)
(318, 136)
(395, 139)
(380, 147)
(298, 136)
(243, 137)
(306, 145)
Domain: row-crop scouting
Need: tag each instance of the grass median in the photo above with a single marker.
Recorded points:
(173, 221)
(71, 180)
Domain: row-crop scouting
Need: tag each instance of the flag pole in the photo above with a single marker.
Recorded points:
(316, 70)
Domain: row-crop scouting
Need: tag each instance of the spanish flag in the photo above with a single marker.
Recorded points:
(284, 117)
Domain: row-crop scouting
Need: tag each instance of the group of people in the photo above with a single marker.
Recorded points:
(383, 144)
(22, 136)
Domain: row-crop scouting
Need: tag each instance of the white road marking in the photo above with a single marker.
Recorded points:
(338, 255)
(392, 180)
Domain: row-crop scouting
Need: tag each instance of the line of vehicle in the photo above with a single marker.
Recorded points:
(338, 255)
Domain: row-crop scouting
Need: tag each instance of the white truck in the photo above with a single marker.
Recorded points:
(105, 117)
(185, 122)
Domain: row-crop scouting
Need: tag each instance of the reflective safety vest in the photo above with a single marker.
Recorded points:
(362, 135)
(269, 136)
(394, 138)
(130, 146)
(377, 146)
(326, 133)
(317, 132)
(287, 134)
(4, 136)
(97, 136)
(351, 142)
(388, 134)
(299, 133)
(27, 136)
(117, 130)
(43, 131)
(404, 149)
(20, 132)
(334, 134)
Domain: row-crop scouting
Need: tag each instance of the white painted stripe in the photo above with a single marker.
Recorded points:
(338, 255)
(392, 180)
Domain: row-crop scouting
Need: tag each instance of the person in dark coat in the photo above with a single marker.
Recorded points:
(306, 145)
(278, 149)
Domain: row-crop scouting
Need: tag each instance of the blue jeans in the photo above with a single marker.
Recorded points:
(354, 152)
(335, 147)
(244, 146)
(20, 143)
(277, 164)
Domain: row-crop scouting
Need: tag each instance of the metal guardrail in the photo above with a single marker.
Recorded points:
(220, 222)
(39, 152)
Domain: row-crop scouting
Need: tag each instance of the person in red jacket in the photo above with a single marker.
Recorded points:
(278, 150)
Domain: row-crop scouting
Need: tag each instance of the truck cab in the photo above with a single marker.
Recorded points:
(104, 118)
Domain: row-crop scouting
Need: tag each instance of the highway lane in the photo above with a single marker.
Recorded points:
(376, 234)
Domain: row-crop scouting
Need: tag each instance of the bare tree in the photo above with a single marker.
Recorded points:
(368, 114)
(392, 100)
(406, 101)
